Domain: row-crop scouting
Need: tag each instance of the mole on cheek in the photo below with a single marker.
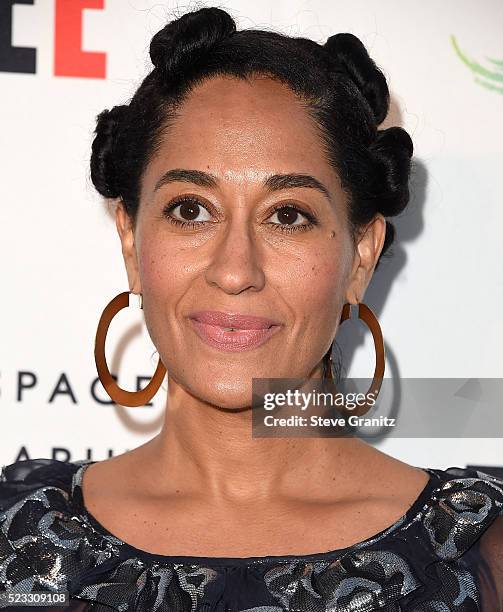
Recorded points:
(332, 234)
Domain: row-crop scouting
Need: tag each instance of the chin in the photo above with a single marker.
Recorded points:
(227, 393)
(230, 394)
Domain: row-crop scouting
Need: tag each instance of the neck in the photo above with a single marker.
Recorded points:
(205, 447)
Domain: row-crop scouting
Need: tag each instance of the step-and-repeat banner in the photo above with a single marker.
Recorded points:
(438, 298)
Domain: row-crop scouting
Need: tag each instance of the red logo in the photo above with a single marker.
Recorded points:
(69, 58)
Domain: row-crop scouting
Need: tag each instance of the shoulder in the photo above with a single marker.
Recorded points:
(469, 478)
(462, 504)
(468, 487)
(462, 528)
(432, 557)
(20, 479)
(44, 540)
(31, 491)
(30, 470)
(48, 543)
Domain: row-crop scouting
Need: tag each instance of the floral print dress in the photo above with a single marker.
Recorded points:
(445, 553)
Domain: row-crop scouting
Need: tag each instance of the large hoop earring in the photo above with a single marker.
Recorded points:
(121, 396)
(368, 317)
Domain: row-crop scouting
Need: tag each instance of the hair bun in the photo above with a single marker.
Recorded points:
(392, 151)
(350, 54)
(188, 38)
(103, 171)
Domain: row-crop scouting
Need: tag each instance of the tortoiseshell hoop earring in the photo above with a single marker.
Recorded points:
(118, 395)
(368, 317)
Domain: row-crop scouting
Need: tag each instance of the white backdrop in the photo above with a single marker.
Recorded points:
(438, 299)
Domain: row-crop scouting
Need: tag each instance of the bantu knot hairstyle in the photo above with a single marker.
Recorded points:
(352, 57)
(105, 169)
(342, 88)
(186, 41)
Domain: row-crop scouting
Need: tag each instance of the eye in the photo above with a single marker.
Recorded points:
(187, 210)
(290, 218)
(288, 215)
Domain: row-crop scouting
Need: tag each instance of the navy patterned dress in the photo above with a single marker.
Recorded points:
(445, 553)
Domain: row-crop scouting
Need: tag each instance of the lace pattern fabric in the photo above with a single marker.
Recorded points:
(445, 553)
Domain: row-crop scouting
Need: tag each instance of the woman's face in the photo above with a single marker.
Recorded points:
(254, 222)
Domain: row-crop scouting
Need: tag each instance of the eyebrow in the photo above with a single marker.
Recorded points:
(275, 182)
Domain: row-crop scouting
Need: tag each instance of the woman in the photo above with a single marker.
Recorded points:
(253, 189)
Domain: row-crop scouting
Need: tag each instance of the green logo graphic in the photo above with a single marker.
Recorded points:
(490, 77)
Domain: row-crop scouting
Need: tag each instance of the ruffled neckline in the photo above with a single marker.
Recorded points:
(47, 537)
(419, 504)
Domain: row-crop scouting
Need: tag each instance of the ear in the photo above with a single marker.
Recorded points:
(369, 245)
(125, 228)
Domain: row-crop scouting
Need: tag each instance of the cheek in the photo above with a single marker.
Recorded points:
(316, 293)
(167, 273)
(158, 282)
(149, 262)
(159, 271)
(316, 282)
(325, 292)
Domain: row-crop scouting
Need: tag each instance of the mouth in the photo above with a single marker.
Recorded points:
(232, 332)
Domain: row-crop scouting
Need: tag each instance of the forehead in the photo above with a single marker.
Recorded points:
(242, 130)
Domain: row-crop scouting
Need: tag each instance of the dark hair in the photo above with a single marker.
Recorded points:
(340, 85)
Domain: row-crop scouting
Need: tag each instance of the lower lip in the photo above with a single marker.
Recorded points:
(232, 341)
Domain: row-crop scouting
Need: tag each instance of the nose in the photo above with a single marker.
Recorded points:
(235, 264)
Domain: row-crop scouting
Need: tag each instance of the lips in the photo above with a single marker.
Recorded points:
(234, 320)
(232, 331)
